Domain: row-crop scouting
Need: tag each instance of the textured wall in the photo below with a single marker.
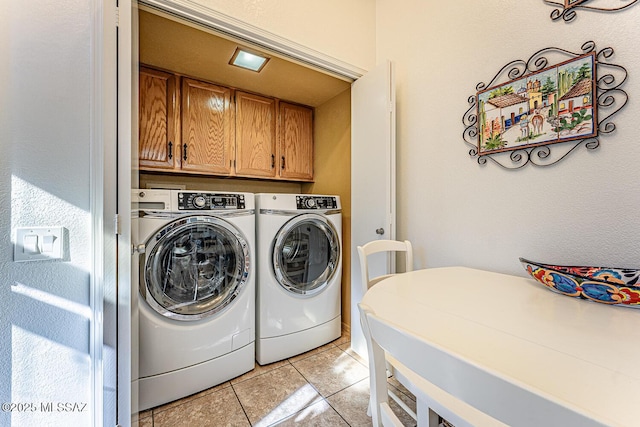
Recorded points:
(580, 211)
(341, 29)
(44, 181)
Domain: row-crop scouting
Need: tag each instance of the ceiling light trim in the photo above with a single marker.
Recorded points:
(248, 59)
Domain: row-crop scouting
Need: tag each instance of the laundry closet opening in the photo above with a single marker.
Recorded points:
(170, 44)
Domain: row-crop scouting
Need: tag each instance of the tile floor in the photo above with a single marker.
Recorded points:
(328, 386)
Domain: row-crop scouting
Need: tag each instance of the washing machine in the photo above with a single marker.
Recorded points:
(196, 298)
(299, 247)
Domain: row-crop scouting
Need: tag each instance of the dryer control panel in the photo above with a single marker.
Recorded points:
(209, 201)
(316, 202)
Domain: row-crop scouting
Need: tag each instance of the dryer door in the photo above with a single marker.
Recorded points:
(195, 267)
(306, 254)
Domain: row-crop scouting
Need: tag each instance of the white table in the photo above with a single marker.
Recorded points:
(581, 356)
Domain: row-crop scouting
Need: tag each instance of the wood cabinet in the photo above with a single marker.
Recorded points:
(295, 140)
(197, 127)
(255, 135)
(158, 120)
(207, 128)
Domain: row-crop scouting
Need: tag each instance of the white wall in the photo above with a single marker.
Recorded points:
(456, 212)
(44, 180)
(340, 29)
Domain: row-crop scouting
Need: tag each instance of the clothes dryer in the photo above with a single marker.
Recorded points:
(196, 297)
(299, 241)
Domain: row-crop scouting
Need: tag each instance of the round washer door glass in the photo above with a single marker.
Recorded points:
(196, 267)
(306, 254)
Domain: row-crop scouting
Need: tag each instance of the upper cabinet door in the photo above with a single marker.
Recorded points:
(255, 135)
(158, 120)
(207, 128)
(296, 142)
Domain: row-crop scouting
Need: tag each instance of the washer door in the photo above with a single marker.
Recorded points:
(306, 254)
(195, 268)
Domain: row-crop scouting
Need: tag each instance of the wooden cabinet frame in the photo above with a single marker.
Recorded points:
(255, 135)
(159, 120)
(208, 131)
(196, 127)
(295, 142)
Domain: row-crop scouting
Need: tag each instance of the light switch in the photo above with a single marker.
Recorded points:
(30, 244)
(47, 242)
(38, 244)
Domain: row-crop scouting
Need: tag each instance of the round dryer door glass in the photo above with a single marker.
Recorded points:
(196, 267)
(306, 254)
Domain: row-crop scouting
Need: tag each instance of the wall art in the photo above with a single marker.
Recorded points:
(539, 110)
(567, 10)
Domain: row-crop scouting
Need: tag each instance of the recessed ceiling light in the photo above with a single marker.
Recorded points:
(249, 60)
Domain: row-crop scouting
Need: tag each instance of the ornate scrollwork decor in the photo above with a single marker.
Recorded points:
(535, 113)
(567, 10)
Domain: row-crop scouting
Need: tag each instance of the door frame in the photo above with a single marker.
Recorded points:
(127, 87)
(103, 184)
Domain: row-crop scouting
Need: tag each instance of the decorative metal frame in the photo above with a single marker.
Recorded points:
(610, 99)
(567, 10)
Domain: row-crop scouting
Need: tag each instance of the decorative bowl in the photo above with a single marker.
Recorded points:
(613, 286)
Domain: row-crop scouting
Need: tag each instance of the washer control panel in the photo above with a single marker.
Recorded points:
(316, 202)
(209, 201)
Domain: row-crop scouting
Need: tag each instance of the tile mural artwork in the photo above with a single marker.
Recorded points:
(552, 105)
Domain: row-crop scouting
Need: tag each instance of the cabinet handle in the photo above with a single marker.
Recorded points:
(282, 164)
(184, 152)
(170, 150)
(273, 161)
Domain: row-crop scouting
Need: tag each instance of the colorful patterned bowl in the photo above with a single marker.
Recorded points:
(614, 286)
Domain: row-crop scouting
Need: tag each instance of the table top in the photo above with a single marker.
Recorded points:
(580, 354)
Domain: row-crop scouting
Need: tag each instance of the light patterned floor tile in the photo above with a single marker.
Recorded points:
(320, 414)
(144, 414)
(275, 395)
(347, 349)
(344, 338)
(331, 371)
(317, 350)
(352, 403)
(259, 370)
(220, 408)
(186, 399)
(146, 421)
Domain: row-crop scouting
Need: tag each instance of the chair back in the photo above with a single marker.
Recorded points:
(377, 246)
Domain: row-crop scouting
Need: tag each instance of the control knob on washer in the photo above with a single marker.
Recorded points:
(199, 201)
(310, 203)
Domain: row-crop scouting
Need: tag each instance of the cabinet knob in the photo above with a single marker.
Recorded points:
(282, 164)
(184, 152)
(170, 150)
(273, 161)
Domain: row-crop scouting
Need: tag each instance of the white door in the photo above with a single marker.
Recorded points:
(373, 186)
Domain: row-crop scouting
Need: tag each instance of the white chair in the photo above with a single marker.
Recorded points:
(378, 246)
(388, 246)
(384, 340)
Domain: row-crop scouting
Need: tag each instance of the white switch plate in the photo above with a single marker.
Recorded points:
(38, 244)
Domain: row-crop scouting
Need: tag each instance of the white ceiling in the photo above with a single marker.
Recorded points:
(187, 49)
